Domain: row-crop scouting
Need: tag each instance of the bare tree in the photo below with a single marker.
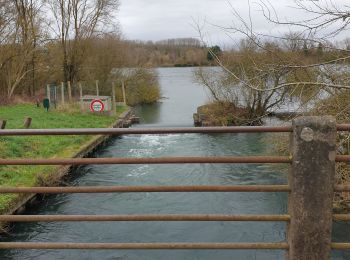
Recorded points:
(76, 21)
(326, 18)
(29, 23)
(19, 31)
(275, 67)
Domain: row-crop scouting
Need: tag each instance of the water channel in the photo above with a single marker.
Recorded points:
(183, 97)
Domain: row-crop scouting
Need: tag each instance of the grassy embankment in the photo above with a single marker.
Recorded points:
(41, 146)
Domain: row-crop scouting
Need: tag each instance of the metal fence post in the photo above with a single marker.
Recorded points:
(312, 186)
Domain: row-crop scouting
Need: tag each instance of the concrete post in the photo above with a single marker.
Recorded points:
(62, 92)
(48, 93)
(55, 96)
(312, 185)
(69, 92)
(97, 89)
(114, 107)
(124, 95)
(81, 95)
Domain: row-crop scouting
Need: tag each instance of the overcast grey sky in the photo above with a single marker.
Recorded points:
(162, 19)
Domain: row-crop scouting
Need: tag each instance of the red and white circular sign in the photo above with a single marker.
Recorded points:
(97, 105)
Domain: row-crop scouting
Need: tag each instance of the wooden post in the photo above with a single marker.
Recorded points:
(114, 107)
(2, 124)
(69, 91)
(27, 122)
(48, 93)
(62, 92)
(312, 186)
(124, 95)
(97, 90)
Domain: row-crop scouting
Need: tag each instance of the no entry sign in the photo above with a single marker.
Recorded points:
(97, 105)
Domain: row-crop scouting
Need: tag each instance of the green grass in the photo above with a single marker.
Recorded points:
(41, 146)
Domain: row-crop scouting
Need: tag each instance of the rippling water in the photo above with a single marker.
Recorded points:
(183, 98)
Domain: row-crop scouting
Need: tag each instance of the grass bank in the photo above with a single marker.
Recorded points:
(41, 146)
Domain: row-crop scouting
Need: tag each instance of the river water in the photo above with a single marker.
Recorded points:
(183, 97)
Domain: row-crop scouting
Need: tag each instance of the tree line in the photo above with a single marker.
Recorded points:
(53, 41)
(177, 52)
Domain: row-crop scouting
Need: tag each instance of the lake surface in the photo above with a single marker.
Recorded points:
(183, 97)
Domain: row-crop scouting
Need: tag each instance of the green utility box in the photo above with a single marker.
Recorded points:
(46, 104)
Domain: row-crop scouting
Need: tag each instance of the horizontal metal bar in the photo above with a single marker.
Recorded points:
(343, 127)
(174, 130)
(184, 246)
(342, 188)
(121, 131)
(110, 189)
(341, 217)
(161, 160)
(342, 158)
(176, 217)
(340, 246)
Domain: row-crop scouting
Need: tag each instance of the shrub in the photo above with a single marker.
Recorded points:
(142, 87)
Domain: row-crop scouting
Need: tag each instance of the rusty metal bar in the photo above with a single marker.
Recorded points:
(343, 127)
(340, 246)
(342, 158)
(110, 189)
(342, 188)
(161, 160)
(121, 131)
(176, 217)
(134, 246)
(176, 130)
(341, 217)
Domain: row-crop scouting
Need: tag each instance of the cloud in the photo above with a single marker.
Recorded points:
(162, 19)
